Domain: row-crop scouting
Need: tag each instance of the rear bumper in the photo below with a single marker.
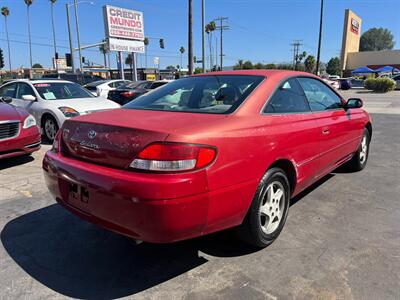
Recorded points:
(26, 142)
(151, 207)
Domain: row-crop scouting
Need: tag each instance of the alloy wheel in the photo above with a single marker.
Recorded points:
(50, 128)
(272, 207)
(364, 150)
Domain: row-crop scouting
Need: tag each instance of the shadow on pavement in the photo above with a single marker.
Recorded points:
(80, 260)
(15, 161)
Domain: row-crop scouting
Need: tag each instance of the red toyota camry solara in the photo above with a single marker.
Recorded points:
(205, 153)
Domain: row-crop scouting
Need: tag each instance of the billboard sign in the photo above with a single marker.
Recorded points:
(126, 45)
(123, 23)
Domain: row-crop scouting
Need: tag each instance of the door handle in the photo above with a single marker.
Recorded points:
(325, 131)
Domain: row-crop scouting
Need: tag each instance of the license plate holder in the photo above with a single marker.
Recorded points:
(79, 196)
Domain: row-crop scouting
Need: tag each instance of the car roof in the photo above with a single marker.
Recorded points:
(41, 80)
(260, 72)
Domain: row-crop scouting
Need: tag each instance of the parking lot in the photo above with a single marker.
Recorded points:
(341, 240)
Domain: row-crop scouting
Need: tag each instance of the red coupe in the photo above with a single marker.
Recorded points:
(206, 153)
(19, 134)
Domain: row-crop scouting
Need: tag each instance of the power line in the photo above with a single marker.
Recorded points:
(296, 46)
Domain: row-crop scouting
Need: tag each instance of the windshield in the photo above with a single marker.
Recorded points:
(61, 90)
(216, 94)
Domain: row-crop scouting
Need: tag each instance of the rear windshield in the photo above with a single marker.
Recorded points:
(61, 90)
(216, 94)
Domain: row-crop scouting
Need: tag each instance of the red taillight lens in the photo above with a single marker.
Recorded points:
(174, 157)
(127, 94)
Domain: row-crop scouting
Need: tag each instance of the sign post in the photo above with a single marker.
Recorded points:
(125, 33)
(121, 66)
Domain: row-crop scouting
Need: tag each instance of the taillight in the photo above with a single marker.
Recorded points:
(174, 157)
(127, 94)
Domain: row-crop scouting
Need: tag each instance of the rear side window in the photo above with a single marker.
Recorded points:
(319, 96)
(289, 98)
(8, 90)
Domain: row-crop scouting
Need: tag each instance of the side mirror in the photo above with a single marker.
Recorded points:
(6, 99)
(354, 103)
(28, 97)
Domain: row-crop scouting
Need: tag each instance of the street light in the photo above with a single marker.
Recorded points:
(75, 4)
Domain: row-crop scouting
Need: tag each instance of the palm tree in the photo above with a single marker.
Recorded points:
(309, 64)
(28, 4)
(181, 50)
(103, 48)
(146, 43)
(6, 12)
(129, 60)
(52, 2)
(210, 27)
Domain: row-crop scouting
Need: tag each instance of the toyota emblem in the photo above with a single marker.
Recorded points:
(91, 134)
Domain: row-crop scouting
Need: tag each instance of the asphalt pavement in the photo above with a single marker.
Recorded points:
(341, 240)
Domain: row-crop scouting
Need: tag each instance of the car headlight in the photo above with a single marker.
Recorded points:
(68, 111)
(29, 122)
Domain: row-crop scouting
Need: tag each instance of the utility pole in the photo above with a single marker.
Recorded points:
(78, 35)
(71, 47)
(54, 36)
(221, 27)
(190, 38)
(296, 46)
(203, 39)
(319, 38)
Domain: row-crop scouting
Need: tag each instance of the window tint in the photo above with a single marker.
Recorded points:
(319, 96)
(61, 90)
(216, 94)
(24, 89)
(289, 98)
(8, 90)
(396, 77)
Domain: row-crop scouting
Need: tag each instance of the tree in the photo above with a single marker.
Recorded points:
(270, 66)
(37, 66)
(52, 2)
(181, 50)
(28, 4)
(333, 66)
(6, 12)
(210, 27)
(376, 39)
(247, 65)
(239, 65)
(309, 64)
(170, 67)
(198, 70)
(298, 58)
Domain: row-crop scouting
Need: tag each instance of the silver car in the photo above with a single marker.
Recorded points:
(52, 102)
(397, 79)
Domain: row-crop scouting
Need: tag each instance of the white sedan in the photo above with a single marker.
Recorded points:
(101, 88)
(52, 102)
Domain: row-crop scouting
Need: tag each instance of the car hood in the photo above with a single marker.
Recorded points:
(9, 112)
(84, 105)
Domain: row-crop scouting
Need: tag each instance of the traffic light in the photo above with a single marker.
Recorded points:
(162, 43)
(68, 59)
(56, 55)
(1, 59)
(83, 59)
(194, 59)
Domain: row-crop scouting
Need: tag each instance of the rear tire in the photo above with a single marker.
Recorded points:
(360, 158)
(268, 211)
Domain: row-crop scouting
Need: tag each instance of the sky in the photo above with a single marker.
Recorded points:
(259, 30)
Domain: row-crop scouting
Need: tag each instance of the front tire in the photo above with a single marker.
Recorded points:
(360, 158)
(268, 212)
(50, 128)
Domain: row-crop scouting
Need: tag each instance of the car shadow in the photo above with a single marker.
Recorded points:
(80, 260)
(15, 161)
